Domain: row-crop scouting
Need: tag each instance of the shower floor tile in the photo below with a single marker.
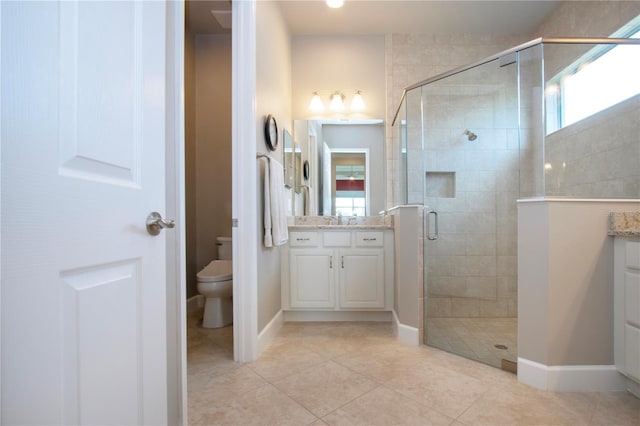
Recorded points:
(475, 338)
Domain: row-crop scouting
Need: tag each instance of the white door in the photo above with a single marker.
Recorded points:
(83, 283)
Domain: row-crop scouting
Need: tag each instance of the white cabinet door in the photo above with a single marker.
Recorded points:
(312, 278)
(83, 143)
(361, 278)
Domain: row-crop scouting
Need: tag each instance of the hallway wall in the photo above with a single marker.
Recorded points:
(208, 145)
(273, 96)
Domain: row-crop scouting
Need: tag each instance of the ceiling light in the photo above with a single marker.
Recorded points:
(357, 103)
(316, 104)
(337, 102)
(335, 4)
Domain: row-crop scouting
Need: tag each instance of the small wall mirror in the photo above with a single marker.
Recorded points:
(288, 159)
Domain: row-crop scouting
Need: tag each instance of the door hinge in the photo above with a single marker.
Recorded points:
(234, 223)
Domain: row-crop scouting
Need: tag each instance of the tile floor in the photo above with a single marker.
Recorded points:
(475, 338)
(358, 374)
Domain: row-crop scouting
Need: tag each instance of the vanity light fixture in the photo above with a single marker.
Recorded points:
(316, 104)
(337, 102)
(335, 4)
(357, 103)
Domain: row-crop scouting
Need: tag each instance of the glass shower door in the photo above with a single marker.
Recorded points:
(470, 177)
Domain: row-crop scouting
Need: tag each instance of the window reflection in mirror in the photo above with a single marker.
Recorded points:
(348, 184)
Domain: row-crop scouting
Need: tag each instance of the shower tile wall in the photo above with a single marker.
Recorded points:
(411, 58)
(598, 157)
(472, 267)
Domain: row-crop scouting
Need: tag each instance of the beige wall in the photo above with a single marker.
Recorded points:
(566, 281)
(208, 148)
(332, 63)
(273, 96)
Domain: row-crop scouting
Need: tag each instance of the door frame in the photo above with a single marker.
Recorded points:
(244, 227)
(244, 185)
(175, 209)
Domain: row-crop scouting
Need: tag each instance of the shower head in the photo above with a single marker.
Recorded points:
(470, 135)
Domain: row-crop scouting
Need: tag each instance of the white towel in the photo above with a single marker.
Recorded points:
(276, 232)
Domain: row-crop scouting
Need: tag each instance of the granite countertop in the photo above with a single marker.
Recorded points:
(624, 224)
(341, 227)
(307, 223)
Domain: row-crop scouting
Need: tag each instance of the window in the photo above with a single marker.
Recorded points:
(603, 77)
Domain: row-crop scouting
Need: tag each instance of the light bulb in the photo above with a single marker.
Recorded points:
(337, 102)
(335, 4)
(357, 103)
(316, 104)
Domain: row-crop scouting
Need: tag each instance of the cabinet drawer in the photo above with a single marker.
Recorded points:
(369, 239)
(633, 254)
(303, 239)
(337, 239)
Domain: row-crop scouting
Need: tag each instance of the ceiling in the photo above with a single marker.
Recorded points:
(200, 20)
(313, 17)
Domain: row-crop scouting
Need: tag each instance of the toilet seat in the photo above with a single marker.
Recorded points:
(215, 271)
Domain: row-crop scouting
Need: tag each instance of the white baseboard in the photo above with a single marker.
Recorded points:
(570, 378)
(194, 303)
(405, 333)
(269, 331)
(296, 316)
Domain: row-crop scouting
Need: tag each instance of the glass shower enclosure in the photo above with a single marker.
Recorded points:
(471, 142)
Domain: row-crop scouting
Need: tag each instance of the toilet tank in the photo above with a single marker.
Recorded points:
(225, 248)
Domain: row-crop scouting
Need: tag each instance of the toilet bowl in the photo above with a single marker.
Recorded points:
(215, 283)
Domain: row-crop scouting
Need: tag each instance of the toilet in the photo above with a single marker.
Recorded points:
(215, 283)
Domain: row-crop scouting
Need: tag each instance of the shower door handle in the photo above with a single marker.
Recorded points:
(433, 236)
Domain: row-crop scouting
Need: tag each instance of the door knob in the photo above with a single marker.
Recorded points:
(155, 223)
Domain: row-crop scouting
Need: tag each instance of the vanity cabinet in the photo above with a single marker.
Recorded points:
(627, 310)
(338, 270)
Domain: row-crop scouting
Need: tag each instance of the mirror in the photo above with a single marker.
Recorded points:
(337, 151)
(297, 166)
(287, 159)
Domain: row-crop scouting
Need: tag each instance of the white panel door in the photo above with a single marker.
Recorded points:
(83, 283)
